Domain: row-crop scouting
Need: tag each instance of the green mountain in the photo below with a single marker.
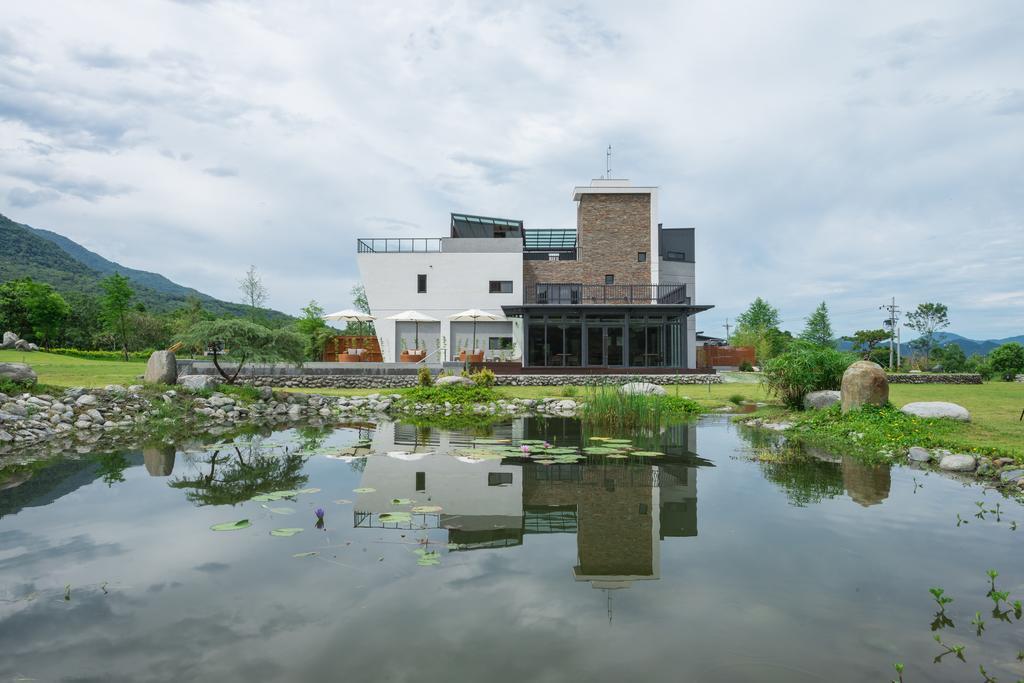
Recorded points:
(68, 266)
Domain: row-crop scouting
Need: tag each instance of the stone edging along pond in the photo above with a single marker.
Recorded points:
(89, 416)
(933, 378)
(407, 381)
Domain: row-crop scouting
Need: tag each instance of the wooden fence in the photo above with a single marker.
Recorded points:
(712, 356)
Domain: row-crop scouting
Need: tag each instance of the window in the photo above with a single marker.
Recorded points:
(421, 284)
(499, 478)
(501, 287)
(499, 343)
(421, 481)
(552, 257)
(641, 256)
(675, 255)
(609, 279)
(643, 508)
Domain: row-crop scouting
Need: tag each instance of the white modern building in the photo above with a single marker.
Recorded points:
(614, 293)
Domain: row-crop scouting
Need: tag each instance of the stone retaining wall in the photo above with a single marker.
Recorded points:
(399, 381)
(934, 378)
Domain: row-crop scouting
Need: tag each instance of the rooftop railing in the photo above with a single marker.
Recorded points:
(577, 294)
(396, 245)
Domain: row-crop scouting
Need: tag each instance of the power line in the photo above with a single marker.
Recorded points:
(890, 322)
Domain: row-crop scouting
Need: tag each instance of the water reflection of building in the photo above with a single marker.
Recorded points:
(619, 510)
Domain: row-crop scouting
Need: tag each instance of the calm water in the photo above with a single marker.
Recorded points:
(701, 564)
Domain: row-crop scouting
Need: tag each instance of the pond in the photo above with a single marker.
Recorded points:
(453, 556)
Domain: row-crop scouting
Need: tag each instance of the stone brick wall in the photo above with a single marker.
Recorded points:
(612, 228)
(934, 378)
(399, 381)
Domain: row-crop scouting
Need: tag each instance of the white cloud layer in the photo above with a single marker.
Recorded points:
(846, 152)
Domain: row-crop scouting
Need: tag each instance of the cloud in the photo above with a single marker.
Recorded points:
(221, 171)
(22, 197)
(55, 182)
(101, 58)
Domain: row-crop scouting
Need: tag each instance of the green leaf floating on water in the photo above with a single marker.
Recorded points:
(647, 454)
(232, 526)
(395, 516)
(310, 553)
(545, 462)
(426, 509)
(290, 531)
(343, 501)
(309, 490)
(282, 511)
(364, 489)
(428, 558)
(617, 456)
(402, 501)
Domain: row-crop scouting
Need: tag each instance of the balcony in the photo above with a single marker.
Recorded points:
(398, 245)
(578, 294)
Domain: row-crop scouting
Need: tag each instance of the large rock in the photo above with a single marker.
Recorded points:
(958, 463)
(23, 345)
(10, 339)
(162, 368)
(819, 400)
(642, 388)
(949, 411)
(918, 454)
(199, 382)
(454, 379)
(864, 383)
(19, 373)
(159, 460)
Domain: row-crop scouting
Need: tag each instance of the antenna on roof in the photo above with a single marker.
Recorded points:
(608, 162)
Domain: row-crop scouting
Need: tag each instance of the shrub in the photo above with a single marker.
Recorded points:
(423, 377)
(1007, 360)
(745, 366)
(609, 408)
(569, 391)
(102, 355)
(737, 399)
(483, 378)
(804, 369)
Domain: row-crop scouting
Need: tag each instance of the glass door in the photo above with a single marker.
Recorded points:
(613, 345)
(605, 346)
(595, 346)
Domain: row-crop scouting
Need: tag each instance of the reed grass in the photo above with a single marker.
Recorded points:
(609, 408)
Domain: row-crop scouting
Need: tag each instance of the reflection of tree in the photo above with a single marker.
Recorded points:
(312, 438)
(112, 467)
(806, 479)
(236, 474)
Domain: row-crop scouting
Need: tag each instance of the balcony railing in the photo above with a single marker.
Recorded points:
(395, 245)
(576, 294)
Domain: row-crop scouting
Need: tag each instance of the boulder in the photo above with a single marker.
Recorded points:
(645, 388)
(918, 454)
(949, 411)
(818, 400)
(86, 400)
(10, 339)
(958, 463)
(458, 380)
(199, 382)
(159, 460)
(864, 383)
(161, 368)
(19, 373)
(23, 345)
(1011, 476)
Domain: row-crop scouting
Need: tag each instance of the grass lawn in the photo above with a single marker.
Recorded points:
(65, 371)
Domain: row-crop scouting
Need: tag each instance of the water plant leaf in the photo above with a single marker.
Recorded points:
(545, 461)
(308, 553)
(232, 526)
(428, 558)
(282, 511)
(308, 490)
(617, 456)
(426, 509)
(343, 501)
(402, 501)
(395, 517)
(364, 489)
(647, 454)
(600, 438)
(289, 531)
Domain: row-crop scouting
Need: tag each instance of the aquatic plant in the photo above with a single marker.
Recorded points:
(614, 410)
(957, 650)
(899, 672)
(940, 597)
(806, 368)
(978, 623)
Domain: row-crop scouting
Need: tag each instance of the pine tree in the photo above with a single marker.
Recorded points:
(819, 328)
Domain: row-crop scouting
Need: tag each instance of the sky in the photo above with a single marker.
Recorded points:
(845, 152)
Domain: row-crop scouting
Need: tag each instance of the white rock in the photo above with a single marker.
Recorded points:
(86, 400)
(958, 463)
(642, 388)
(444, 381)
(819, 400)
(918, 454)
(940, 409)
(199, 382)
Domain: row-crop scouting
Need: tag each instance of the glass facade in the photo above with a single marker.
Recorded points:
(632, 338)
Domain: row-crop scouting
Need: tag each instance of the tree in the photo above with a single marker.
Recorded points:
(758, 326)
(237, 475)
(14, 308)
(242, 341)
(33, 309)
(314, 329)
(254, 294)
(818, 330)
(188, 314)
(951, 357)
(760, 315)
(926, 320)
(85, 323)
(1007, 360)
(115, 304)
(865, 341)
(362, 305)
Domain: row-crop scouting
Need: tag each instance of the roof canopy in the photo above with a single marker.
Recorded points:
(465, 225)
(412, 317)
(540, 239)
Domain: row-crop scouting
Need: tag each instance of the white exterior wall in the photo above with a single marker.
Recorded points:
(682, 273)
(456, 281)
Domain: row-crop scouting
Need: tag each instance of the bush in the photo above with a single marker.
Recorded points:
(423, 377)
(569, 391)
(745, 366)
(102, 355)
(804, 369)
(1007, 360)
(737, 399)
(484, 378)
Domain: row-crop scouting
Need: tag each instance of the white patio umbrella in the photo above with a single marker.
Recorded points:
(474, 314)
(413, 317)
(350, 315)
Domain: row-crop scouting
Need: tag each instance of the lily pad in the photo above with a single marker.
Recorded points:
(290, 531)
(545, 461)
(282, 511)
(647, 454)
(364, 489)
(343, 501)
(309, 490)
(428, 558)
(600, 438)
(396, 517)
(232, 526)
(402, 501)
(426, 509)
(617, 456)
(310, 553)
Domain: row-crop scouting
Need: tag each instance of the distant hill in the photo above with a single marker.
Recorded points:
(49, 257)
(970, 347)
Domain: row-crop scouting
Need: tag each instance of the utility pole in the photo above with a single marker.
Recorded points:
(726, 326)
(890, 322)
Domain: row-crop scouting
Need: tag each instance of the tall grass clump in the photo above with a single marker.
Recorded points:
(803, 369)
(612, 409)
